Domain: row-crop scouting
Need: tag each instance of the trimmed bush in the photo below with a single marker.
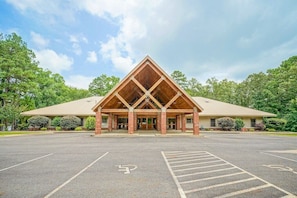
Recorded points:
(238, 124)
(260, 126)
(58, 128)
(38, 121)
(70, 122)
(226, 123)
(78, 129)
(56, 121)
(275, 123)
(43, 129)
(90, 123)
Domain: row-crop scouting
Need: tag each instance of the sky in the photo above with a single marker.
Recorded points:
(225, 39)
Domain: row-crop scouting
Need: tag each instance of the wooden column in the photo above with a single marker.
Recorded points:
(109, 122)
(98, 129)
(195, 122)
(163, 121)
(183, 122)
(131, 120)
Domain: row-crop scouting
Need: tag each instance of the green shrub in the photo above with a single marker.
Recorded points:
(38, 121)
(56, 121)
(238, 124)
(78, 129)
(90, 123)
(260, 126)
(275, 123)
(22, 126)
(43, 129)
(58, 128)
(70, 122)
(226, 123)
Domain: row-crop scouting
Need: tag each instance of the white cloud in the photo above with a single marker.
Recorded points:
(76, 40)
(52, 61)
(135, 20)
(38, 40)
(79, 81)
(92, 57)
(50, 11)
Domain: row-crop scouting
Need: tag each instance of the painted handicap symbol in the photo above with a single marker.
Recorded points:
(127, 168)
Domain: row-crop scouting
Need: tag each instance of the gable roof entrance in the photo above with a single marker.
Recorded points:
(146, 90)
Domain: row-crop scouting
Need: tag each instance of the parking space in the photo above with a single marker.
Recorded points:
(202, 174)
(79, 165)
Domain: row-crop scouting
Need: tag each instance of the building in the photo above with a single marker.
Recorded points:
(148, 99)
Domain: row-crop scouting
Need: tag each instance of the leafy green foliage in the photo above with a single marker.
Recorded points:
(101, 85)
(78, 128)
(292, 116)
(226, 123)
(70, 122)
(180, 78)
(275, 123)
(239, 124)
(38, 121)
(56, 121)
(90, 123)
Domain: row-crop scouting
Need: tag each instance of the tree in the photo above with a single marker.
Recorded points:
(291, 117)
(101, 85)
(18, 73)
(195, 88)
(180, 79)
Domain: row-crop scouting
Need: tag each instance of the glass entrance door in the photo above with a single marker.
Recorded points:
(147, 123)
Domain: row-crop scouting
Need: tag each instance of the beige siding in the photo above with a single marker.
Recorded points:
(204, 122)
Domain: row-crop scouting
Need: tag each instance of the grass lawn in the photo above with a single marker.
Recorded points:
(14, 133)
(282, 133)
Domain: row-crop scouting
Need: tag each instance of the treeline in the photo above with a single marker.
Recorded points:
(24, 85)
(274, 91)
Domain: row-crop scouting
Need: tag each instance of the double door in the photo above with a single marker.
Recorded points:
(147, 123)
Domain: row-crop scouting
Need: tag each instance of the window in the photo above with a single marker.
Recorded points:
(104, 120)
(212, 122)
(189, 120)
(253, 122)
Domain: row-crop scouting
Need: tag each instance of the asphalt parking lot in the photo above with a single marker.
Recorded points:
(210, 165)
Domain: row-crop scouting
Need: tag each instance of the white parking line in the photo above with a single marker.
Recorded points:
(205, 172)
(76, 175)
(210, 178)
(179, 188)
(190, 168)
(279, 157)
(220, 185)
(26, 162)
(243, 191)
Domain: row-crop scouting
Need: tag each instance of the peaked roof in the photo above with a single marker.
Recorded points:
(83, 107)
(147, 86)
(218, 108)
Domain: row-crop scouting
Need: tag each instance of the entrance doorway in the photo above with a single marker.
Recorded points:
(147, 123)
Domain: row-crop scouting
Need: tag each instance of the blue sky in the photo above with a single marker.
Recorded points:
(82, 40)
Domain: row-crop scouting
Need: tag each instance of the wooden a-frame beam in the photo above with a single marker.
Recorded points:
(173, 99)
(122, 100)
(147, 93)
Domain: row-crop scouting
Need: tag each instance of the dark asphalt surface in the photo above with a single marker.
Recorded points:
(80, 165)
